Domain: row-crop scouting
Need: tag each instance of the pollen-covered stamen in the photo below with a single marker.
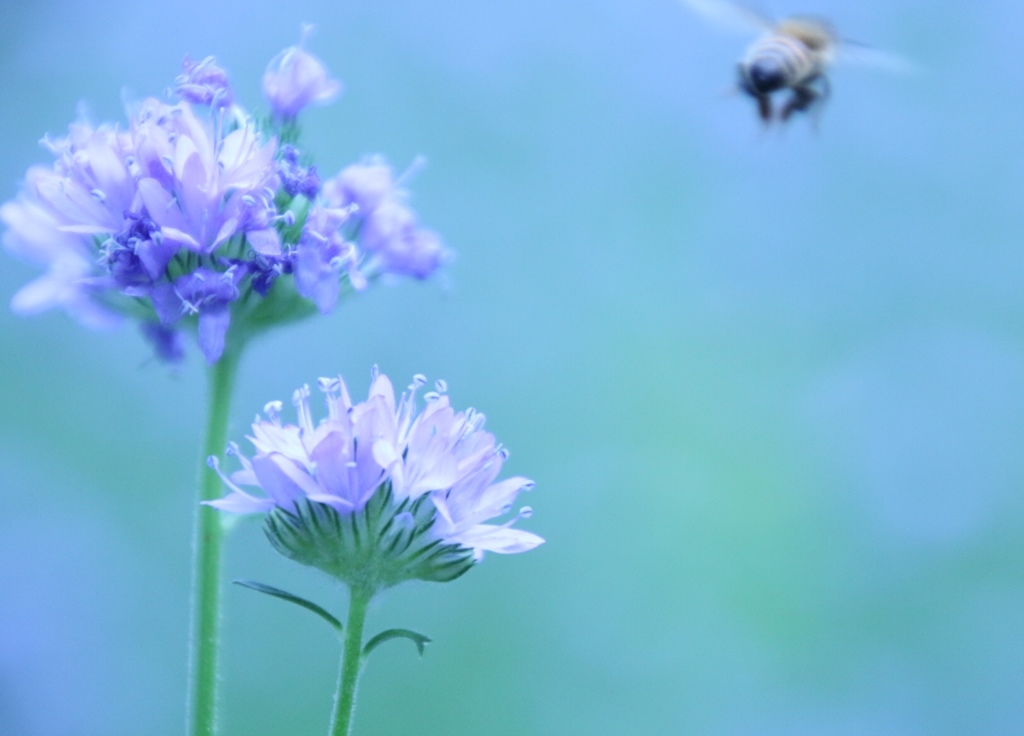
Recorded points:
(441, 386)
(188, 307)
(214, 465)
(272, 410)
(329, 386)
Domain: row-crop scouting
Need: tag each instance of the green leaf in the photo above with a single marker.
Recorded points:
(419, 640)
(292, 598)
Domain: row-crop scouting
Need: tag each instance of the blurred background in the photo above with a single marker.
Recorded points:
(770, 385)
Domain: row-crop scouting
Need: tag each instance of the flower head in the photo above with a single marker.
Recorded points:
(421, 479)
(195, 217)
(295, 78)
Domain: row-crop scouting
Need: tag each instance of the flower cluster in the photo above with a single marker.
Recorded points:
(199, 216)
(379, 489)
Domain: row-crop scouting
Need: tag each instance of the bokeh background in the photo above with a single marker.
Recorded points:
(770, 386)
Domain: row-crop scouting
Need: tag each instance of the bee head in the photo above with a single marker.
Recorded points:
(762, 77)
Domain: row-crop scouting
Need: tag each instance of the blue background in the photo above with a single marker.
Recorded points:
(770, 386)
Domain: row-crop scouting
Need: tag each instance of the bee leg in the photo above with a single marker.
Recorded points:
(764, 108)
(802, 99)
(824, 92)
(809, 97)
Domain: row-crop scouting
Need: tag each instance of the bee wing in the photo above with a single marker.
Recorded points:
(854, 53)
(729, 16)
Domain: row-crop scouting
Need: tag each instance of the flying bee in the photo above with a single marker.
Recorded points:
(792, 55)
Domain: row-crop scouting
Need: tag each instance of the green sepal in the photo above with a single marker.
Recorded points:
(292, 598)
(385, 543)
(281, 305)
(418, 639)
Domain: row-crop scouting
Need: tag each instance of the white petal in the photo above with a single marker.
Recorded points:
(237, 502)
(498, 539)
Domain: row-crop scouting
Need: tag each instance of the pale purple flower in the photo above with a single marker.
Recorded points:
(321, 255)
(295, 78)
(91, 185)
(366, 185)
(204, 83)
(187, 218)
(33, 233)
(207, 294)
(198, 189)
(295, 178)
(389, 232)
(436, 455)
(397, 244)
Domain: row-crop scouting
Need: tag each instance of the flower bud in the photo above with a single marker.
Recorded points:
(204, 83)
(295, 78)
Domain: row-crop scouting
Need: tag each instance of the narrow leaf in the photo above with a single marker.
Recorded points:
(292, 598)
(419, 640)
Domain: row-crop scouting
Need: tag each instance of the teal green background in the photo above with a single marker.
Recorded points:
(770, 385)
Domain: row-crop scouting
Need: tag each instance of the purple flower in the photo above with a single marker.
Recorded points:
(395, 242)
(204, 83)
(296, 179)
(206, 294)
(190, 217)
(366, 185)
(388, 230)
(321, 255)
(295, 78)
(197, 188)
(436, 459)
(90, 187)
(35, 234)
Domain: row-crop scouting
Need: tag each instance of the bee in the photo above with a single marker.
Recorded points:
(792, 55)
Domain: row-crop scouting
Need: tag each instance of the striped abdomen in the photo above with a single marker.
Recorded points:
(776, 62)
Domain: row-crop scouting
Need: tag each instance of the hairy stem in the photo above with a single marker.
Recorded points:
(206, 588)
(351, 662)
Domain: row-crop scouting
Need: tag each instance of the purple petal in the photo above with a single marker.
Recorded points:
(155, 255)
(166, 302)
(277, 478)
(213, 327)
(266, 242)
(332, 456)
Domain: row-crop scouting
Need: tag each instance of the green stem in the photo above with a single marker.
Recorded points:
(351, 663)
(202, 716)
